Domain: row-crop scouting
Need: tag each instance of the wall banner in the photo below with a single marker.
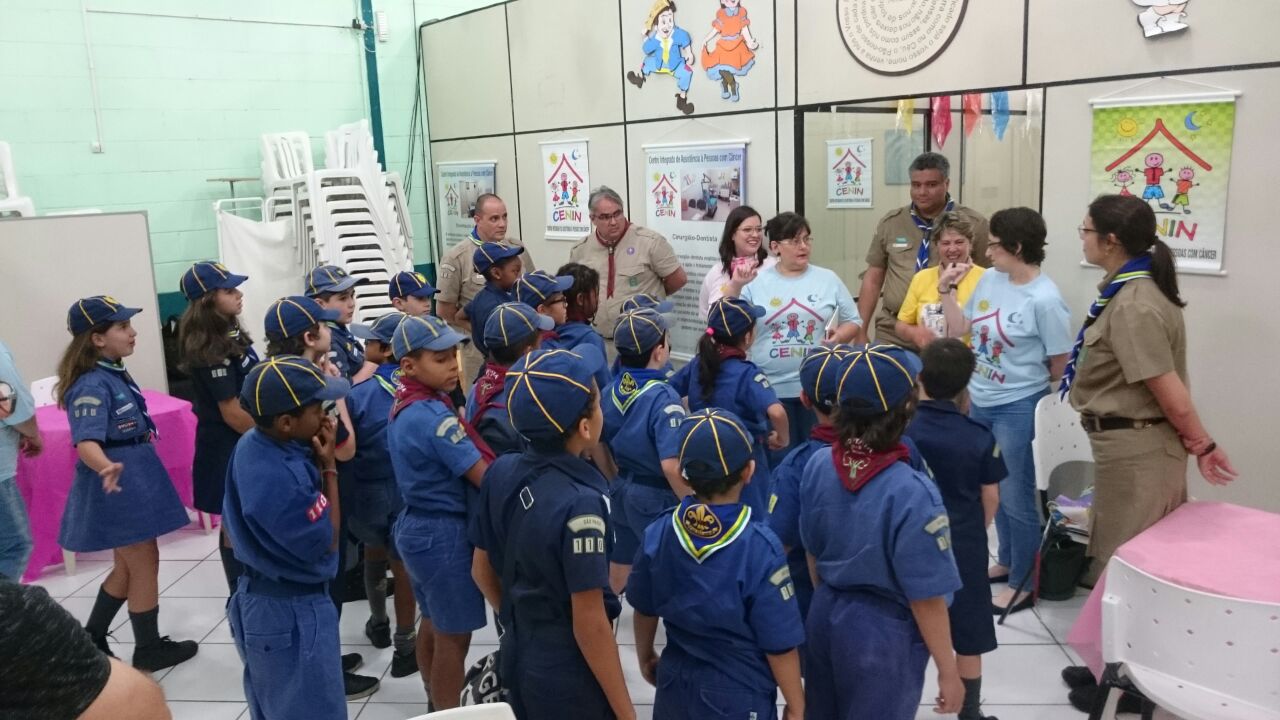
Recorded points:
(460, 184)
(690, 189)
(567, 185)
(849, 179)
(1176, 156)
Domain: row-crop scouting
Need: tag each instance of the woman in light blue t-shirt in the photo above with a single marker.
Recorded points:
(1020, 333)
(804, 304)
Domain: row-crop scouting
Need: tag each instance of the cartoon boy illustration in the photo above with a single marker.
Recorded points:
(1153, 172)
(808, 331)
(793, 326)
(997, 347)
(1183, 185)
(1161, 16)
(1123, 178)
(984, 334)
(729, 49)
(668, 50)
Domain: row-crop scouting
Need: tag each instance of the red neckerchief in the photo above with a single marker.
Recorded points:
(856, 464)
(727, 352)
(612, 248)
(487, 388)
(825, 434)
(411, 391)
(550, 335)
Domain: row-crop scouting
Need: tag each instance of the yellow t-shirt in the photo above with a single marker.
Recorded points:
(923, 304)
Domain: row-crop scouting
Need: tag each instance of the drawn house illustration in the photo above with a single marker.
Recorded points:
(563, 168)
(670, 195)
(1160, 129)
(451, 200)
(999, 327)
(848, 155)
(793, 320)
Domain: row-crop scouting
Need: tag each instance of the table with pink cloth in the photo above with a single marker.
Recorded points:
(45, 480)
(1212, 547)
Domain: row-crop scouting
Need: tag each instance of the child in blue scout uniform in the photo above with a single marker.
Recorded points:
(438, 460)
(410, 293)
(582, 300)
(968, 469)
(122, 498)
(333, 288)
(375, 499)
(642, 413)
(500, 265)
(547, 294)
(217, 353)
(722, 376)
(880, 554)
(542, 535)
(282, 510)
(641, 301)
(512, 330)
(721, 585)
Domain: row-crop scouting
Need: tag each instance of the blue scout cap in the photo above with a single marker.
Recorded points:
(713, 444)
(550, 389)
(512, 323)
(645, 300)
(874, 379)
(489, 253)
(90, 312)
(819, 373)
(330, 279)
(294, 315)
(534, 288)
(410, 284)
(287, 382)
(381, 329)
(639, 331)
(205, 277)
(426, 332)
(733, 316)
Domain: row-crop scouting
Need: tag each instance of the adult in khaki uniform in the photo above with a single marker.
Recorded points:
(632, 260)
(902, 246)
(458, 281)
(1128, 379)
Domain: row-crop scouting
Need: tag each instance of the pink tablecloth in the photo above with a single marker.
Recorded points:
(1209, 546)
(45, 481)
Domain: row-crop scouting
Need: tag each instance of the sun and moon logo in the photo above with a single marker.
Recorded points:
(1127, 127)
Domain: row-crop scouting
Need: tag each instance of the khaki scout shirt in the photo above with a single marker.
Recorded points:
(1138, 336)
(894, 248)
(642, 258)
(457, 279)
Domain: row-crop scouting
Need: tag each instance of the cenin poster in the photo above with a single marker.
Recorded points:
(460, 183)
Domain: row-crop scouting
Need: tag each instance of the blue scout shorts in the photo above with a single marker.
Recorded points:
(372, 512)
(690, 690)
(436, 553)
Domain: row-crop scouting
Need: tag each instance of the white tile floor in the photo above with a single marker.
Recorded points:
(1021, 680)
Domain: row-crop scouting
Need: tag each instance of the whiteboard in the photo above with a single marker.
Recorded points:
(50, 262)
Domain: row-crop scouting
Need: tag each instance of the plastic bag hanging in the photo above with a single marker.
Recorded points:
(906, 113)
(1035, 112)
(941, 118)
(1000, 112)
(971, 104)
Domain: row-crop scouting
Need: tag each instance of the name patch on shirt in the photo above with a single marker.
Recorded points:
(586, 522)
(937, 527)
(218, 373)
(317, 508)
(676, 412)
(760, 378)
(450, 429)
(901, 242)
(781, 579)
(124, 409)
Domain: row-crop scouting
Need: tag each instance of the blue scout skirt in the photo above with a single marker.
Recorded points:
(146, 507)
(214, 444)
(973, 629)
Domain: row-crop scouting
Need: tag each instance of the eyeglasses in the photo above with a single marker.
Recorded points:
(556, 300)
(798, 242)
(752, 230)
(1085, 231)
(601, 217)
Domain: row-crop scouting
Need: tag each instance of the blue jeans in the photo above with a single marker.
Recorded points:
(1018, 519)
(15, 531)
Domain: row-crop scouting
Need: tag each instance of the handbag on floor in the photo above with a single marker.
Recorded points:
(1062, 563)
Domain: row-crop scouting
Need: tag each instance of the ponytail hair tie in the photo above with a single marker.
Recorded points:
(710, 331)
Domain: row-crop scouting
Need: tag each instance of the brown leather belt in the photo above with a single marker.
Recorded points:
(1095, 424)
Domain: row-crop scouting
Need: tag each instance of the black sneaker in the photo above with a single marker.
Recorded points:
(379, 633)
(100, 642)
(1083, 698)
(1078, 676)
(352, 662)
(404, 665)
(164, 654)
(358, 686)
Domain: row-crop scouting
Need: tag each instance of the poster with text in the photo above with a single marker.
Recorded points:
(460, 184)
(689, 192)
(567, 185)
(849, 173)
(1176, 157)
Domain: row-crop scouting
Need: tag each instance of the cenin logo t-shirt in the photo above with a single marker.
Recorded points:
(1016, 329)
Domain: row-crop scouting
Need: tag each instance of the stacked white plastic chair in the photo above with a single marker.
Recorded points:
(12, 201)
(286, 159)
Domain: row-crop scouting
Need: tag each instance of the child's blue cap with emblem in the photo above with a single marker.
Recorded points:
(491, 253)
(330, 279)
(548, 390)
(819, 374)
(645, 300)
(294, 315)
(427, 332)
(90, 312)
(534, 288)
(513, 323)
(875, 379)
(381, 329)
(283, 383)
(638, 332)
(713, 444)
(410, 284)
(205, 277)
(732, 316)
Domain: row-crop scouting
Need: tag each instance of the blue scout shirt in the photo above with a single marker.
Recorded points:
(572, 334)
(106, 405)
(642, 414)
(494, 425)
(889, 538)
(213, 384)
(722, 588)
(430, 452)
(345, 350)
(964, 457)
(274, 511)
(370, 406)
(479, 309)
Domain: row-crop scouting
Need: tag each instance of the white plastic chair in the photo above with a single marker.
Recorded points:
(1059, 438)
(42, 391)
(487, 711)
(1198, 655)
(10, 199)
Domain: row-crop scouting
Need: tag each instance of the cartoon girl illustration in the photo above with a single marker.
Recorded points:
(668, 50)
(729, 49)
(1123, 178)
(777, 333)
